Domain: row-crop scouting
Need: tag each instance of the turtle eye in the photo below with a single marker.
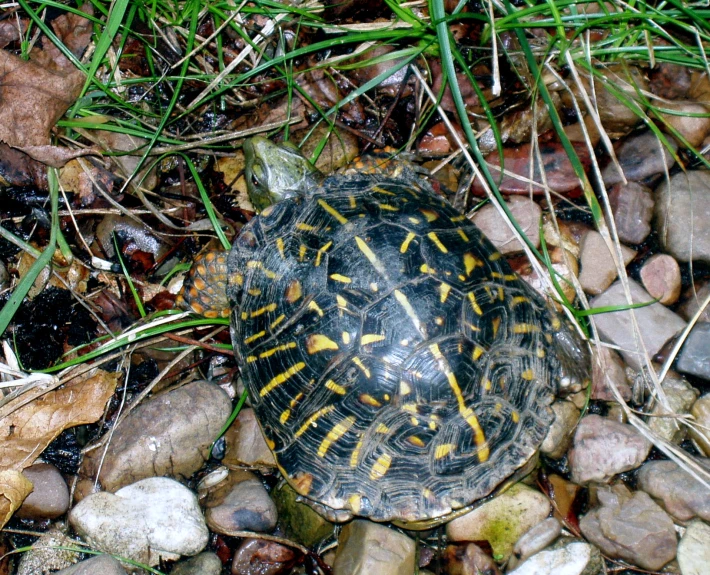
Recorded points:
(254, 180)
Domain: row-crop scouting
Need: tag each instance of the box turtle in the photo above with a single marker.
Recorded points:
(398, 367)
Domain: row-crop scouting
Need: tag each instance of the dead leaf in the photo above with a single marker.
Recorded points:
(34, 94)
(14, 487)
(26, 432)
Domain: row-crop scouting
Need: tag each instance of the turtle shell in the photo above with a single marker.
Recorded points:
(398, 367)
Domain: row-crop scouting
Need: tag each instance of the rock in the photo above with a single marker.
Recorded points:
(573, 558)
(694, 549)
(678, 492)
(694, 356)
(170, 434)
(559, 437)
(694, 299)
(152, 520)
(657, 324)
(50, 552)
(261, 557)
(563, 262)
(682, 212)
(365, 548)
(632, 207)
(502, 520)
(246, 444)
(681, 396)
(97, 565)
(559, 173)
(690, 119)
(660, 275)
(132, 235)
(700, 432)
(608, 372)
(632, 210)
(526, 212)
(206, 563)
(299, 520)
(670, 81)
(602, 448)
(50, 495)
(536, 539)
(640, 156)
(631, 527)
(467, 559)
(240, 503)
(598, 267)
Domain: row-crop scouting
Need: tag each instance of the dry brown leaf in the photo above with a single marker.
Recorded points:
(34, 94)
(27, 431)
(14, 487)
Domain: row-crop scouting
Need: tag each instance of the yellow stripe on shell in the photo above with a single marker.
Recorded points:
(437, 242)
(404, 302)
(332, 211)
(405, 244)
(317, 342)
(313, 419)
(339, 429)
(370, 255)
(380, 467)
(281, 378)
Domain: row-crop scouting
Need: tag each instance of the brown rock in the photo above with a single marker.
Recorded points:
(632, 206)
(598, 267)
(691, 120)
(246, 444)
(526, 212)
(660, 276)
(257, 556)
(608, 372)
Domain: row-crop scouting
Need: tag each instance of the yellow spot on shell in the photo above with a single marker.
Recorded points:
(470, 262)
(443, 450)
(273, 350)
(370, 255)
(313, 306)
(425, 269)
(318, 342)
(381, 428)
(388, 208)
(254, 292)
(410, 407)
(332, 211)
(416, 441)
(404, 388)
(380, 190)
(369, 338)
(277, 321)
(357, 361)
(302, 252)
(321, 251)
(342, 302)
(355, 456)
(262, 310)
(515, 417)
(280, 246)
(381, 466)
(463, 235)
(437, 242)
(459, 218)
(346, 337)
(311, 421)
(430, 215)
(494, 257)
(444, 290)
(340, 278)
(519, 299)
(474, 303)
(339, 429)
(414, 220)
(305, 227)
(528, 375)
(334, 387)
(540, 352)
(355, 503)
(405, 244)
(293, 291)
(254, 337)
(525, 328)
(281, 378)
(285, 414)
(367, 399)
(495, 324)
(404, 302)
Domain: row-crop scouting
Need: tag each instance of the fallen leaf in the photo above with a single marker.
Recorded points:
(14, 487)
(26, 432)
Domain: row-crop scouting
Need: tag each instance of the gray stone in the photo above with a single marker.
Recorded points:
(657, 324)
(152, 520)
(365, 548)
(50, 495)
(502, 520)
(602, 448)
(680, 396)
(639, 157)
(693, 302)
(608, 371)
(97, 565)
(598, 267)
(682, 215)
(51, 552)
(205, 563)
(690, 119)
(574, 558)
(537, 538)
(632, 207)
(169, 434)
(240, 503)
(526, 212)
(700, 431)
(631, 527)
(694, 356)
(694, 549)
(559, 437)
(679, 493)
(246, 444)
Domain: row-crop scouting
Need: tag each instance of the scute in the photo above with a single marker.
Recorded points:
(391, 354)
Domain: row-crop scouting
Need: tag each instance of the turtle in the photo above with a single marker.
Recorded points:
(399, 369)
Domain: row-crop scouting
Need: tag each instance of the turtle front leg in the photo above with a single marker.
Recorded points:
(205, 288)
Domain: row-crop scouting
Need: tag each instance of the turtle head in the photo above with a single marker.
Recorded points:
(275, 172)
